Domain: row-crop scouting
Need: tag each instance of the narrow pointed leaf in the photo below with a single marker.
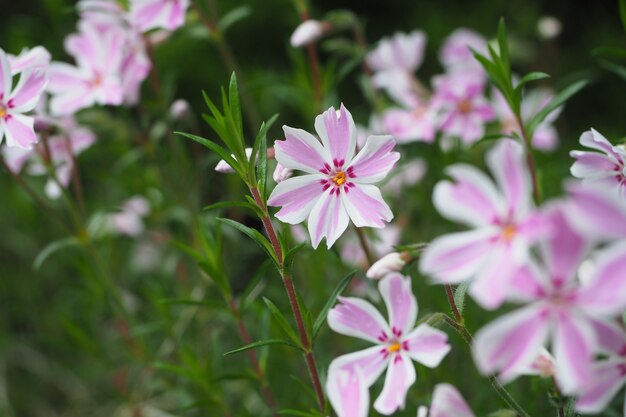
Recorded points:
(556, 102)
(223, 153)
(254, 235)
(321, 318)
(459, 295)
(533, 76)
(52, 248)
(260, 343)
(282, 321)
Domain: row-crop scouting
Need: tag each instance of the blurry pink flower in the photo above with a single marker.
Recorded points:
(129, 220)
(152, 14)
(37, 58)
(348, 393)
(418, 123)
(559, 307)
(95, 79)
(15, 126)
(397, 343)
(505, 225)
(605, 165)
(608, 376)
(448, 402)
(406, 175)
(597, 212)
(308, 32)
(456, 55)
(403, 51)
(463, 110)
(338, 186)
(545, 137)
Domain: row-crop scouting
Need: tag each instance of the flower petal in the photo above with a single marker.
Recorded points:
(400, 376)
(375, 160)
(371, 362)
(596, 212)
(328, 218)
(338, 134)
(348, 393)
(5, 75)
(19, 131)
(507, 164)
(511, 343)
(28, 90)
(448, 402)
(605, 294)
(427, 345)
(607, 378)
(472, 199)
(400, 301)
(572, 344)
(358, 318)
(301, 150)
(610, 336)
(455, 257)
(296, 196)
(592, 165)
(366, 206)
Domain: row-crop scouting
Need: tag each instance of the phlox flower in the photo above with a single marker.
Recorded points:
(152, 14)
(406, 175)
(447, 402)
(456, 53)
(348, 393)
(37, 58)
(503, 220)
(545, 136)
(397, 342)
(417, 122)
(559, 307)
(462, 107)
(338, 185)
(604, 165)
(599, 213)
(15, 125)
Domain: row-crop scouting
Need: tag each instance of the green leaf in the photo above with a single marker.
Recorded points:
(260, 343)
(225, 204)
(503, 43)
(234, 104)
(321, 318)
(490, 138)
(53, 247)
(254, 235)
(459, 295)
(218, 276)
(250, 293)
(608, 51)
(292, 253)
(556, 102)
(533, 76)
(233, 16)
(223, 153)
(622, 12)
(617, 69)
(282, 321)
(261, 168)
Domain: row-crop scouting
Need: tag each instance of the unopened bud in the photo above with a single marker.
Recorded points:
(308, 32)
(281, 173)
(179, 109)
(393, 262)
(223, 167)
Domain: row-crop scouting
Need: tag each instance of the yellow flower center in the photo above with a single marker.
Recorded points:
(3, 111)
(395, 347)
(508, 232)
(465, 106)
(339, 178)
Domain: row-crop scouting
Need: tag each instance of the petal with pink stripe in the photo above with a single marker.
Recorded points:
(400, 301)
(338, 134)
(427, 345)
(301, 150)
(375, 160)
(328, 218)
(296, 196)
(365, 205)
(400, 376)
(358, 318)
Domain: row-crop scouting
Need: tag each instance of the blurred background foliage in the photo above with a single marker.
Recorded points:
(66, 348)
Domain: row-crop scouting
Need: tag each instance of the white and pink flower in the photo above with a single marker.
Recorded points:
(504, 225)
(338, 185)
(598, 212)
(456, 53)
(604, 165)
(153, 14)
(397, 342)
(559, 308)
(15, 126)
(448, 402)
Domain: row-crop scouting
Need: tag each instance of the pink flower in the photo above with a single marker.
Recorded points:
(152, 14)
(448, 402)
(397, 343)
(456, 55)
(406, 175)
(96, 79)
(558, 307)
(418, 123)
(348, 393)
(504, 221)
(608, 376)
(463, 110)
(545, 137)
(597, 212)
(15, 126)
(605, 165)
(403, 51)
(129, 220)
(37, 58)
(338, 186)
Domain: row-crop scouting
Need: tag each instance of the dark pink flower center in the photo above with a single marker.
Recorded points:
(464, 106)
(338, 178)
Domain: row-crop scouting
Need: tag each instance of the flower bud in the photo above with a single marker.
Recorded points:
(281, 173)
(308, 32)
(179, 109)
(223, 167)
(393, 262)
